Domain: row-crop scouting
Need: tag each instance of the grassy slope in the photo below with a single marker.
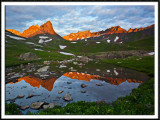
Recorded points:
(84, 48)
(14, 48)
(145, 64)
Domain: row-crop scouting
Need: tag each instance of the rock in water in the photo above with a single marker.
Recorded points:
(59, 92)
(29, 96)
(43, 69)
(83, 85)
(69, 82)
(28, 56)
(83, 91)
(99, 84)
(36, 105)
(50, 105)
(24, 107)
(67, 97)
(20, 96)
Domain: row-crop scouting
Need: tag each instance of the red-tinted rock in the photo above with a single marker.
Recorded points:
(35, 29)
(140, 29)
(14, 31)
(116, 29)
(81, 35)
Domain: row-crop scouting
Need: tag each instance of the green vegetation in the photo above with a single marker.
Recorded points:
(144, 64)
(11, 109)
(14, 48)
(142, 44)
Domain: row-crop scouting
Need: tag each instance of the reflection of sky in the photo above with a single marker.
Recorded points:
(107, 92)
(68, 19)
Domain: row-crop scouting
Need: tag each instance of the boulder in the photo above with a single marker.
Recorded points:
(83, 85)
(36, 105)
(43, 69)
(20, 96)
(50, 105)
(67, 97)
(99, 84)
(83, 91)
(29, 96)
(61, 91)
(46, 62)
(24, 107)
(28, 56)
(84, 59)
(69, 82)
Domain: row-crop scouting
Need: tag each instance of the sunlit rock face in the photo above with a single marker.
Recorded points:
(116, 29)
(30, 31)
(35, 29)
(14, 31)
(81, 35)
(139, 29)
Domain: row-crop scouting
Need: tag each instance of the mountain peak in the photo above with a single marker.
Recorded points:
(115, 29)
(35, 29)
(37, 25)
(47, 28)
(81, 35)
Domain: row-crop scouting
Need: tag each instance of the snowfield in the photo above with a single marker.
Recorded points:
(43, 37)
(108, 41)
(48, 40)
(38, 49)
(30, 43)
(14, 37)
(65, 53)
(151, 53)
(115, 40)
(62, 46)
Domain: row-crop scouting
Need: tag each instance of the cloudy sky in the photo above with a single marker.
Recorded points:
(71, 19)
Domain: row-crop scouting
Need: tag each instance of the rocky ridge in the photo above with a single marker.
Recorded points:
(109, 31)
(35, 29)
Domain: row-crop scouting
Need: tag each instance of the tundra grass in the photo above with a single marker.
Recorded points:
(144, 64)
(14, 48)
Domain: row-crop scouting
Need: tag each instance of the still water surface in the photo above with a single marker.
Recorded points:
(116, 82)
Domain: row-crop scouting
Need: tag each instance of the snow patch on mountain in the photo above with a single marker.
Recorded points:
(38, 49)
(62, 46)
(108, 41)
(14, 37)
(43, 37)
(65, 53)
(115, 40)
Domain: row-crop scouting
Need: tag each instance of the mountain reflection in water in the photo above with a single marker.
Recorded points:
(36, 82)
(49, 83)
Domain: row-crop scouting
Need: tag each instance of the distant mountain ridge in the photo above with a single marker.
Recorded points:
(122, 34)
(112, 30)
(35, 29)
